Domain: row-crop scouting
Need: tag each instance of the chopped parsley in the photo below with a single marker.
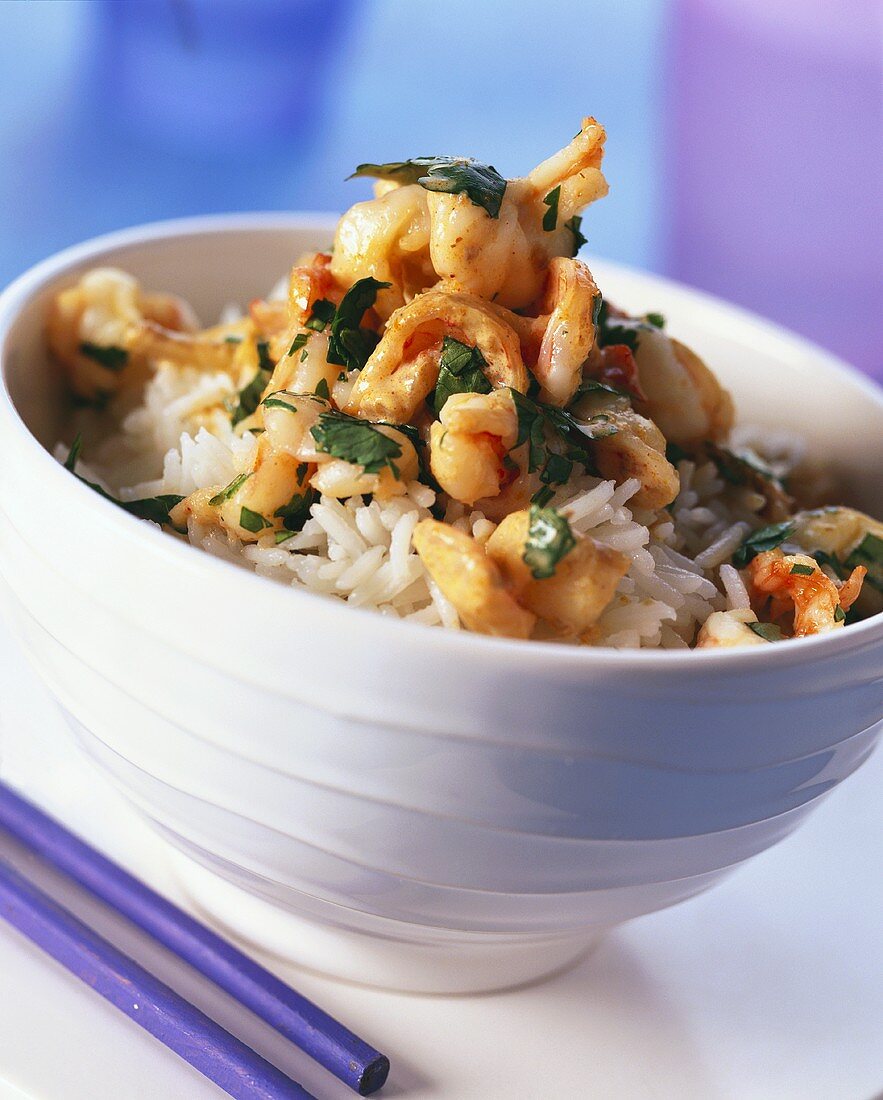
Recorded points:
(573, 224)
(536, 422)
(226, 493)
(482, 184)
(839, 614)
(802, 570)
(157, 509)
(322, 390)
(592, 385)
(296, 512)
(350, 345)
(109, 357)
(550, 218)
(322, 314)
(299, 342)
(736, 468)
(869, 553)
(657, 320)
(274, 400)
(249, 397)
(461, 370)
(768, 631)
(355, 440)
(252, 521)
(232, 339)
(549, 539)
(764, 538)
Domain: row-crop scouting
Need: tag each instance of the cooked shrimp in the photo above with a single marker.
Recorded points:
(682, 396)
(635, 448)
(403, 369)
(470, 580)
(96, 329)
(388, 238)
(818, 604)
(583, 584)
(569, 331)
(726, 629)
(470, 442)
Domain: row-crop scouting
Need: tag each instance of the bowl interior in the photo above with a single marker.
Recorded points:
(778, 381)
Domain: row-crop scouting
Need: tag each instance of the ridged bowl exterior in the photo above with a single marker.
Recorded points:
(448, 796)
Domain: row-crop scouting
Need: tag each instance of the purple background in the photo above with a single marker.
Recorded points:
(743, 157)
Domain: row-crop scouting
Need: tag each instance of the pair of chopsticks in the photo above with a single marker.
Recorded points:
(182, 1027)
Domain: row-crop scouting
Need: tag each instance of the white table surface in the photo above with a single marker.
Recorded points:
(770, 986)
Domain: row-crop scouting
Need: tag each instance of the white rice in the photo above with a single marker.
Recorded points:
(360, 551)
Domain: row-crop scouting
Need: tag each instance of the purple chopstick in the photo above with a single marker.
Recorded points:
(347, 1056)
(216, 1053)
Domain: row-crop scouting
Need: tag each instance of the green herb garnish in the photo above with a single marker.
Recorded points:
(298, 342)
(839, 614)
(284, 536)
(350, 345)
(157, 509)
(537, 420)
(482, 184)
(232, 339)
(322, 314)
(461, 370)
(109, 357)
(549, 539)
(226, 493)
(253, 521)
(869, 553)
(802, 570)
(296, 512)
(573, 224)
(768, 631)
(550, 218)
(764, 538)
(355, 440)
(657, 320)
(322, 390)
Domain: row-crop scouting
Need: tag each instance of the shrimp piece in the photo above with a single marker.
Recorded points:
(307, 283)
(583, 584)
(635, 447)
(388, 238)
(95, 329)
(335, 477)
(728, 629)
(403, 369)
(819, 605)
(304, 368)
(470, 580)
(414, 238)
(504, 259)
(569, 331)
(682, 396)
(469, 443)
(840, 533)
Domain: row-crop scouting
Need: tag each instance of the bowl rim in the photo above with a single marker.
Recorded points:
(17, 295)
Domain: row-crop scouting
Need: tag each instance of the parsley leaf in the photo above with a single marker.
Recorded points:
(482, 184)
(355, 440)
(461, 370)
(869, 553)
(549, 539)
(768, 631)
(573, 224)
(351, 345)
(322, 390)
(296, 512)
(299, 341)
(323, 312)
(839, 614)
(226, 493)
(109, 357)
(764, 538)
(534, 418)
(249, 397)
(252, 521)
(156, 509)
(657, 320)
(802, 570)
(550, 218)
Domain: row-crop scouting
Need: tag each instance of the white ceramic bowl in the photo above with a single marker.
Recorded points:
(398, 804)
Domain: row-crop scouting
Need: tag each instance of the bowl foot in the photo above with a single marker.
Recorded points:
(409, 958)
